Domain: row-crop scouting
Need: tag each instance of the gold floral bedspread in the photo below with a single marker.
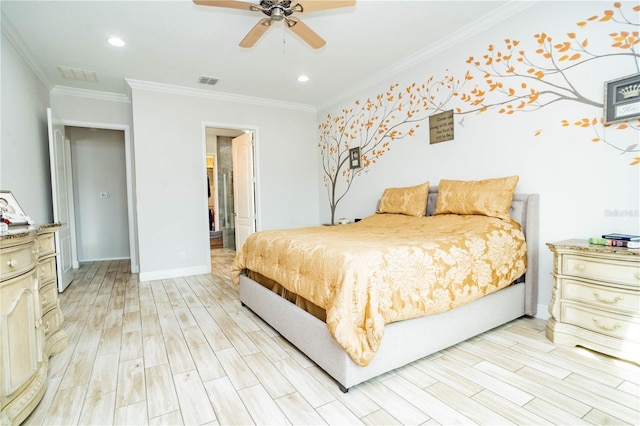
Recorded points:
(386, 268)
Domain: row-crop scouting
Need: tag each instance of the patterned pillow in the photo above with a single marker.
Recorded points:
(411, 200)
(489, 197)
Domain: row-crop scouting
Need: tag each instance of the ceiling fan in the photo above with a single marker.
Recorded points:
(281, 10)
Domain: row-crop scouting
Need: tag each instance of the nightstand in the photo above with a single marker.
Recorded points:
(595, 301)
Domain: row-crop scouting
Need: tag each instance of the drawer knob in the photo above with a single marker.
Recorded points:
(12, 263)
(45, 299)
(606, 327)
(580, 267)
(605, 300)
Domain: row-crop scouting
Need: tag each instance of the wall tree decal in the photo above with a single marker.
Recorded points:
(511, 81)
(372, 126)
(514, 81)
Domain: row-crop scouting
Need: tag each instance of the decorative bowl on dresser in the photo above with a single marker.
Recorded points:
(595, 301)
(30, 318)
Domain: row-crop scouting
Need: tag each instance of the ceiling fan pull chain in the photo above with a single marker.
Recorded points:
(284, 40)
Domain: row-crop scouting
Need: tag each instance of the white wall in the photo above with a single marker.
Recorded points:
(24, 151)
(586, 188)
(170, 172)
(98, 163)
(91, 107)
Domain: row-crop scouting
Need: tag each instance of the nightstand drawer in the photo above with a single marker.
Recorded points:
(602, 269)
(609, 298)
(619, 326)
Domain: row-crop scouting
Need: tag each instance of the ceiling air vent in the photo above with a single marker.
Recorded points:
(207, 80)
(78, 74)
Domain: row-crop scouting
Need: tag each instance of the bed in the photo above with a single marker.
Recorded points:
(402, 340)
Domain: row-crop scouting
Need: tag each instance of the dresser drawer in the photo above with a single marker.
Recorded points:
(51, 322)
(48, 297)
(620, 326)
(17, 260)
(602, 269)
(608, 298)
(46, 244)
(47, 271)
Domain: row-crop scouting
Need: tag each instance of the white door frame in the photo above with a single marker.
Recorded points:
(256, 163)
(128, 152)
(72, 210)
(216, 209)
(59, 161)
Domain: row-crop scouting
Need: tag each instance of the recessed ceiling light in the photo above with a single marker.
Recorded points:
(303, 78)
(116, 41)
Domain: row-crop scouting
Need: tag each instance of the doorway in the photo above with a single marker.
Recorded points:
(62, 191)
(99, 193)
(223, 175)
(62, 194)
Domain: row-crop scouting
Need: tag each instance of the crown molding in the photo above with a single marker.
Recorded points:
(9, 31)
(90, 94)
(219, 96)
(464, 33)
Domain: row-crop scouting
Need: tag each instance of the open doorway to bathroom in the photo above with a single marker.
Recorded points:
(224, 196)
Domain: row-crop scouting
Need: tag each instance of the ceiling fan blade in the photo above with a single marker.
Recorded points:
(314, 5)
(219, 3)
(256, 32)
(305, 33)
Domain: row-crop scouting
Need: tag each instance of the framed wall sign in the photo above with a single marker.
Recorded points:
(622, 99)
(441, 127)
(354, 158)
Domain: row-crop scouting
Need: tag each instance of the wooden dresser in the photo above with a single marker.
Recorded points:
(30, 318)
(596, 298)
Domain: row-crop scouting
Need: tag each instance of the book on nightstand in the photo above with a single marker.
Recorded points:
(623, 237)
(617, 240)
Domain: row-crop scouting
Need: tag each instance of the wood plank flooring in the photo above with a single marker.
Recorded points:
(184, 351)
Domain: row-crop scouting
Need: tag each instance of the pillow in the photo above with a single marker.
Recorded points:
(489, 197)
(411, 200)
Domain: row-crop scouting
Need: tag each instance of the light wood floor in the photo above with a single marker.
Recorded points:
(184, 351)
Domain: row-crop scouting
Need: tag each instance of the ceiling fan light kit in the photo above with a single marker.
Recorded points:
(281, 10)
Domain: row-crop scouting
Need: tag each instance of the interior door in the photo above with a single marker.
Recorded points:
(59, 160)
(243, 187)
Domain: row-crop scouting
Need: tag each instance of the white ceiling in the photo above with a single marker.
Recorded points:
(176, 42)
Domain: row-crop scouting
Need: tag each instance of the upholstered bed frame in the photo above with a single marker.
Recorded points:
(409, 340)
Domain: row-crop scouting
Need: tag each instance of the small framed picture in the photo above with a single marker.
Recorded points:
(11, 210)
(622, 99)
(354, 158)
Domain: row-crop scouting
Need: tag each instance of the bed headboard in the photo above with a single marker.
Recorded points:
(524, 210)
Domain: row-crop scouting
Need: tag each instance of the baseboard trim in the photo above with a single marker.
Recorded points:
(174, 273)
(543, 312)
